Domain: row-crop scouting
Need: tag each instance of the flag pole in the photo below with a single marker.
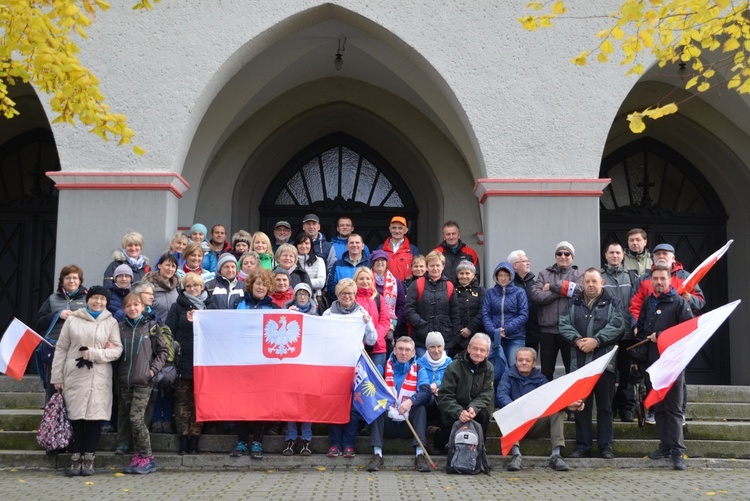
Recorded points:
(427, 455)
(639, 343)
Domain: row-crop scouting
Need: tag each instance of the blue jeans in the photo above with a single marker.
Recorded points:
(378, 359)
(510, 347)
(344, 435)
(291, 431)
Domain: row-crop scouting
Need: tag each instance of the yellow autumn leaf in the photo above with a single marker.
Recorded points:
(730, 45)
(138, 150)
(88, 483)
(703, 87)
(607, 47)
(119, 474)
(321, 468)
(559, 8)
(617, 33)
(692, 82)
(580, 59)
(722, 4)
(545, 22)
(528, 23)
(709, 73)
(602, 57)
(734, 82)
(636, 122)
(534, 5)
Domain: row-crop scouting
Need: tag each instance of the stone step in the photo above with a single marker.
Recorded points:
(22, 400)
(107, 463)
(728, 394)
(20, 419)
(705, 411)
(161, 443)
(29, 383)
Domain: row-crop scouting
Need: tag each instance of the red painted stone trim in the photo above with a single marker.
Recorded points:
(139, 181)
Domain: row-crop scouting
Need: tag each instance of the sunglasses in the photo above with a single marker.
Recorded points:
(561, 253)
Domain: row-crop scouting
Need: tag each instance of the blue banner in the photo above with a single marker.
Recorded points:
(370, 395)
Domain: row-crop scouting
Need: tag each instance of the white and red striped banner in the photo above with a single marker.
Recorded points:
(692, 280)
(274, 365)
(517, 418)
(16, 348)
(677, 347)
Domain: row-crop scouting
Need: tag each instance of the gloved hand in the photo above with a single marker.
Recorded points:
(81, 363)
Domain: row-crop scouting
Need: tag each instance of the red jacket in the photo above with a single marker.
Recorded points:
(399, 263)
(697, 301)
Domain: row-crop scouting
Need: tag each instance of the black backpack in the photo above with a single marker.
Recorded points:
(466, 450)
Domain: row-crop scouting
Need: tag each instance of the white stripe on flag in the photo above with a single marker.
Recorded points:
(235, 338)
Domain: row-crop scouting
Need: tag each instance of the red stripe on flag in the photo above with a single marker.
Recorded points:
(283, 392)
(656, 395)
(22, 354)
(580, 390)
(670, 336)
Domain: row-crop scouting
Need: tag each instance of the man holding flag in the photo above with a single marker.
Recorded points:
(662, 309)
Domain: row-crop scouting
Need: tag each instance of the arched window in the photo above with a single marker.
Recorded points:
(335, 176)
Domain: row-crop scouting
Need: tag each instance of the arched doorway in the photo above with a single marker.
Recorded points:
(28, 224)
(655, 188)
(340, 175)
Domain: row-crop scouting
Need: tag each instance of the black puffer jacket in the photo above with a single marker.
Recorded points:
(470, 300)
(435, 311)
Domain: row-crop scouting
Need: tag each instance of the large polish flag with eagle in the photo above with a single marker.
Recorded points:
(274, 365)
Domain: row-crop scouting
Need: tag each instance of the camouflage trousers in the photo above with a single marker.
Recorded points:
(184, 409)
(131, 419)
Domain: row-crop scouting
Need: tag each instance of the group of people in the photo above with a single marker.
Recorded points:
(449, 348)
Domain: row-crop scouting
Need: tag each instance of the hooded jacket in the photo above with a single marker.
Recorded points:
(144, 350)
(118, 257)
(506, 307)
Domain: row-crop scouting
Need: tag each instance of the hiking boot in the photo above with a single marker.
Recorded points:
(334, 452)
(516, 463)
(606, 453)
(556, 463)
(87, 468)
(659, 454)
(580, 453)
(375, 463)
(133, 463)
(256, 450)
(193, 444)
(626, 417)
(650, 418)
(146, 465)
(305, 450)
(239, 450)
(349, 452)
(289, 451)
(679, 462)
(421, 464)
(75, 466)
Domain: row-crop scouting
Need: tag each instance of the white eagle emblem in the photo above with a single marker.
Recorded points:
(280, 338)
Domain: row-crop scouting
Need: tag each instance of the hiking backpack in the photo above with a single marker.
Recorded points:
(466, 450)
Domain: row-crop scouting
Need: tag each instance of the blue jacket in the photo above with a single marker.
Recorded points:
(117, 296)
(506, 307)
(513, 385)
(427, 373)
(343, 268)
(423, 394)
(248, 302)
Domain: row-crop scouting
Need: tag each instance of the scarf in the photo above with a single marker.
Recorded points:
(199, 303)
(436, 364)
(94, 314)
(135, 262)
(241, 275)
(186, 269)
(167, 285)
(280, 298)
(337, 309)
(303, 309)
(389, 289)
(408, 388)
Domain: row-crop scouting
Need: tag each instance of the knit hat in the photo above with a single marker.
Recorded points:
(98, 290)
(225, 258)
(302, 286)
(378, 254)
(434, 338)
(123, 269)
(465, 264)
(566, 246)
(198, 227)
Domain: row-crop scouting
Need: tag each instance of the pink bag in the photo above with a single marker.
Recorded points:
(55, 430)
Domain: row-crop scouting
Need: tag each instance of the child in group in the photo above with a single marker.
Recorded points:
(198, 235)
(143, 356)
(303, 303)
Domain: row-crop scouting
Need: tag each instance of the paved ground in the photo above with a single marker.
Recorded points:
(351, 483)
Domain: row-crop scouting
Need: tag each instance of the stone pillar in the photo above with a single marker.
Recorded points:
(97, 208)
(535, 215)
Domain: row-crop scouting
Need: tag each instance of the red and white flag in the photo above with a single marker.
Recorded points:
(517, 418)
(692, 280)
(274, 365)
(16, 348)
(677, 347)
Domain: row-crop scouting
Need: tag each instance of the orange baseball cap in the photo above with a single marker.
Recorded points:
(399, 219)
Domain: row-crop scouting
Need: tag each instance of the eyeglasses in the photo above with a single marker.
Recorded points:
(561, 253)
(347, 294)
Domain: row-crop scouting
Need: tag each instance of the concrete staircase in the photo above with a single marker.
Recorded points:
(717, 434)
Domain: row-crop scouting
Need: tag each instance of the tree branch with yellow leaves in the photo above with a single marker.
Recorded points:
(39, 48)
(673, 31)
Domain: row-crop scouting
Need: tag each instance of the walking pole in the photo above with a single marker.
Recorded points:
(427, 455)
